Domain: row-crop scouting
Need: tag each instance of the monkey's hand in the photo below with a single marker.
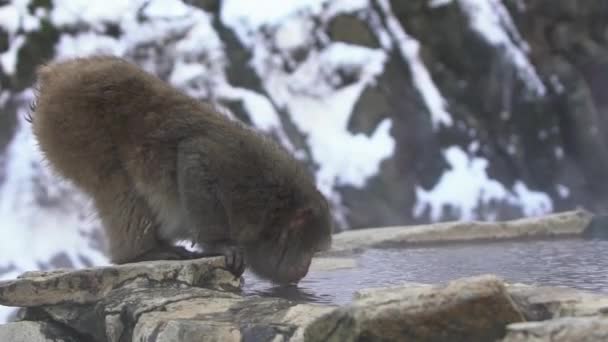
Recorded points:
(234, 256)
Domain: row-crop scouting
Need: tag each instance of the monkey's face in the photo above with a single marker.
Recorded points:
(283, 253)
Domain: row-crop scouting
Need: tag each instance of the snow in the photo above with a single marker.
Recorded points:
(9, 18)
(262, 113)
(559, 152)
(562, 190)
(70, 12)
(557, 85)
(319, 106)
(255, 14)
(492, 21)
(294, 34)
(186, 72)
(62, 227)
(8, 59)
(164, 9)
(249, 17)
(439, 3)
(87, 43)
(409, 48)
(321, 111)
(466, 185)
(33, 233)
(533, 203)
(344, 158)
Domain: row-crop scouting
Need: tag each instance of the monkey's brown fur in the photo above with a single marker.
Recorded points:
(162, 167)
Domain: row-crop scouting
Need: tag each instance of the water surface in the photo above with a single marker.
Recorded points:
(575, 263)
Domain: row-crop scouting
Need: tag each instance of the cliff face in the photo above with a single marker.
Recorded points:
(407, 111)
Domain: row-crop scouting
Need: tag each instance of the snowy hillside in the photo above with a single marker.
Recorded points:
(406, 111)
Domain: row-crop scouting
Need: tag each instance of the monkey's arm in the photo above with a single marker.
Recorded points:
(198, 192)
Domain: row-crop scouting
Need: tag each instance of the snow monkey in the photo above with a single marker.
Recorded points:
(163, 167)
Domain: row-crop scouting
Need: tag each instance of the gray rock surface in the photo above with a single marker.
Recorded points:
(542, 302)
(34, 332)
(193, 299)
(570, 329)
(92, 284)
(476, 309)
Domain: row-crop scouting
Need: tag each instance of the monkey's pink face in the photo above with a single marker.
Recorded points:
(282, 261)
(284, 255)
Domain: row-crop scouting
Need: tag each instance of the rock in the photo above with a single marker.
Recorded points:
(151, 301)
(330, 264)
(34, 332)
(256, 319)
(376, 292)
(542, 303)
(579, 329)
(171, 306)
(144, 315)
(598, 228)
(92, 284)
(571, 223)
(473, 309)
(350, 29)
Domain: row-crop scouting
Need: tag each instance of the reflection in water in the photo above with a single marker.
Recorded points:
(576, 263)
(296, 293)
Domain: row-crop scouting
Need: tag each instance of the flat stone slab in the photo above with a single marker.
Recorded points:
(568, 329)
(469, 309)
(89, 285)
(327, 264)
(569, 223)
(548, 302)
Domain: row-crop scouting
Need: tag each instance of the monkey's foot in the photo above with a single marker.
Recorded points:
(234, 256)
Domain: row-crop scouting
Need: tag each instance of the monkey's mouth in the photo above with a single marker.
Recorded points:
(292, 273)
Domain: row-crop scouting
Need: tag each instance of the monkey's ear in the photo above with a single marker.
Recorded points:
(301, 217)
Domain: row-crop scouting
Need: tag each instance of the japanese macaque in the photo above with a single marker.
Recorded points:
(163, 167)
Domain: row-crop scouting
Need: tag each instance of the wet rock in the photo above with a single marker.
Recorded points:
(571, 223)
(89, 285)
(542, 303)
(330, 264)
(559, 330)
(598, 228)
(473, 309)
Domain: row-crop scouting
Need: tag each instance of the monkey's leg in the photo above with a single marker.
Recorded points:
(197, 187)
(130, 227)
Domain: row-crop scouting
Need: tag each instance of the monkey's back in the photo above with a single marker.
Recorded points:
(97, 116)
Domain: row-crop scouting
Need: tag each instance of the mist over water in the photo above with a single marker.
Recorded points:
(574, 263)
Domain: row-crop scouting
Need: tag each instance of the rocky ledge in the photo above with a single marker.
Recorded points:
(198, 300)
